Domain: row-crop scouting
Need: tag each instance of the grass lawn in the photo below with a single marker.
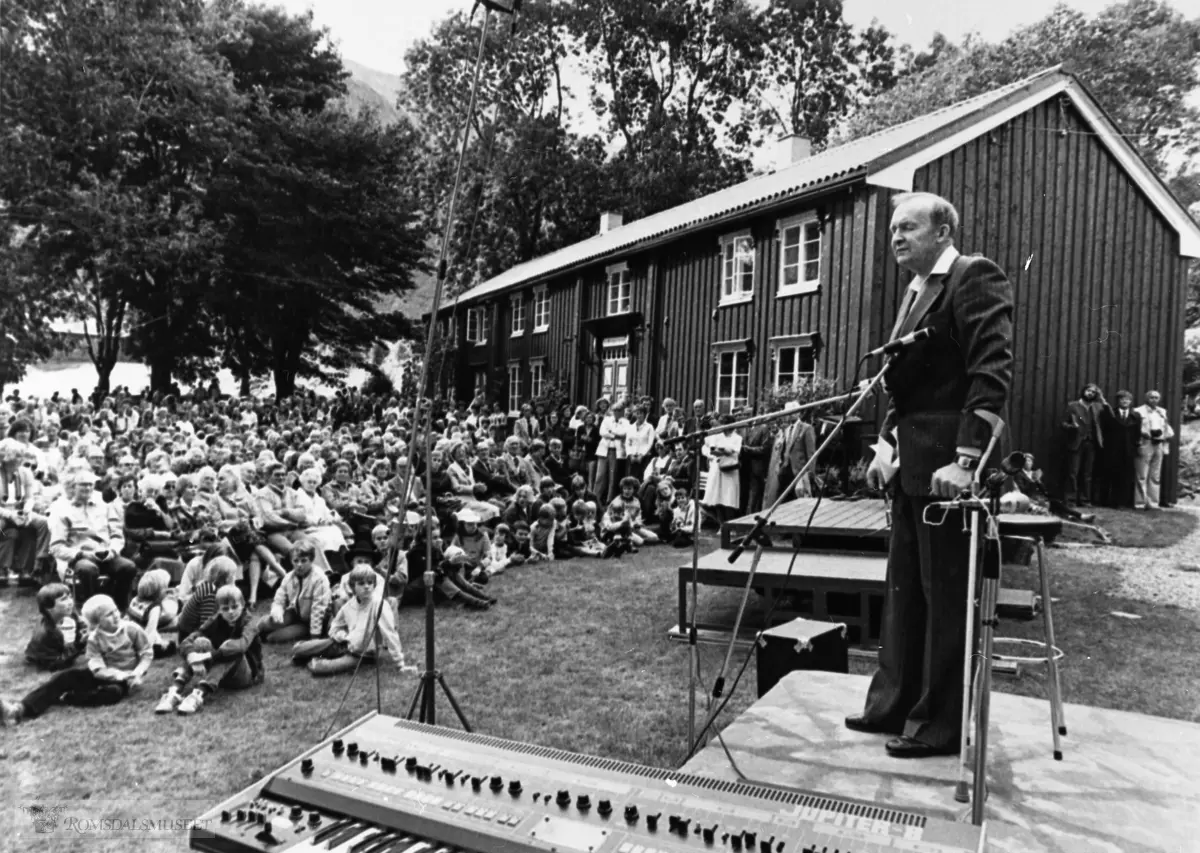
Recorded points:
(1131, 528)
(575, 656)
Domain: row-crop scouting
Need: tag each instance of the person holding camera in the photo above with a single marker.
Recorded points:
(1156, 435)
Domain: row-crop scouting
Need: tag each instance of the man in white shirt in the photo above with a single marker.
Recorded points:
(87, 537)
(1156, 436)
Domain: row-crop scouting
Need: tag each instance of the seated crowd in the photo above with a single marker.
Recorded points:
(156, 527)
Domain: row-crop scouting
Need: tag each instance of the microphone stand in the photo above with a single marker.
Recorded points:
(756, 535)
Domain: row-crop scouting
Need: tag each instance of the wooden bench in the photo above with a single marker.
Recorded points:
(827, 586)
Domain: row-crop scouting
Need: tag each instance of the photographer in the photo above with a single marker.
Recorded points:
(1156, 435)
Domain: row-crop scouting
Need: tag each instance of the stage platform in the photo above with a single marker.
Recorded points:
(858, 525)
(1128, 783)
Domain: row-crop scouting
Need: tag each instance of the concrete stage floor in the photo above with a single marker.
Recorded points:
(1127, 783)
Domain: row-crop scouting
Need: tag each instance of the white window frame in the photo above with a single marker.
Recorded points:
(798, 344)
(481, 381)
(737, 250)
(803, 259)
(541, 310)
(737, 353)
(517, 327)
(618, 293)
(514, 388)
(537, 378)
(472, 325)
(482, 325)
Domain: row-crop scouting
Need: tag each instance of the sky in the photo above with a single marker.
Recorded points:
(376, 33)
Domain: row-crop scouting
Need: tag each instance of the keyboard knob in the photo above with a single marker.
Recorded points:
(709, 832)
(514, 787)
(338, 746)
(497, 783)
(476, 783)
(604, 808)
(314, 818)
(306, 766)
(583, 802)
(765, 845)
(241, 815)
(749, 837)
(652, 821)
(735, 841)
(388, 765)
(682, 825)
(449, 780)
(296, 813)
(631, 813)
(226, 816)
(362, 758)
(260, 817)
(410, 763)
(351, 749)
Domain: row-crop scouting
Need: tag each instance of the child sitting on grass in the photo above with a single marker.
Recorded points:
(118, 655)
(562, 529)
(542, 535)
(624, 516)
(352, 636)
(343, 591)
(582, 534)
(225, 653)
(61, 634)
(302, 600)
(202, 605)
(156, 608)
(477, 546)
(518, 547)
(498, 560)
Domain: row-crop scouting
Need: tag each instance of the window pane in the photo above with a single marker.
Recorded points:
(812, 270)
(791, 255)
(787, 363)
(725, 386)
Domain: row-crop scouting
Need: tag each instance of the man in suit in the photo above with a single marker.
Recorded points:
(1122, 429)
(946, 396)
(756, 449)
(1085, 442)
(795, 444)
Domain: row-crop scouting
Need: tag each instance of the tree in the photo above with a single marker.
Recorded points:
(815, 67)
(668, 79)
(112, 115)
(1138, 58)
(319, 233)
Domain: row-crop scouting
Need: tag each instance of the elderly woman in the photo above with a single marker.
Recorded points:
(373, 490)
(24, 536)
(150, 531)
(508, 463)
(723, 489)
(462, 482)
(521, 507)
(321, 524)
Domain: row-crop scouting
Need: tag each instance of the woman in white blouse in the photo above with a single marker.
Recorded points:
(462, 480)
(723, 488)
(321, 524)
(610, 452)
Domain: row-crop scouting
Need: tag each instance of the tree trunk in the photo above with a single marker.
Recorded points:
(104, 368)
(160, 373)
(244, 389)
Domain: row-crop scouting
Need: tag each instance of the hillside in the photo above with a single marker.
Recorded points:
(368, 88)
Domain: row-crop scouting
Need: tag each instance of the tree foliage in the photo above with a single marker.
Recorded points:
(181, 174)
(1137, 58)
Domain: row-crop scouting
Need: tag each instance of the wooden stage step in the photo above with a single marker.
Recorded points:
(856, 525)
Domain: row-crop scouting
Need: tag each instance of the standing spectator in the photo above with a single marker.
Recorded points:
(1085, 440)
(668, 425)
(526, 426)
(793, 447)
(639, 442)
(723, 488)
(24, 536)
(755, 458)
(698, 419)
(1156, 433)
(610, 452)
(1122, 435)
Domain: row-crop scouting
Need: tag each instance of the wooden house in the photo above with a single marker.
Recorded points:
(790, 273)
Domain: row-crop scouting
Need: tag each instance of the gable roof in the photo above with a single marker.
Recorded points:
(889, 158)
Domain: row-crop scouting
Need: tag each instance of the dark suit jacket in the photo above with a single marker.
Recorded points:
(1077, 418)
(756, 450)
(936, 385)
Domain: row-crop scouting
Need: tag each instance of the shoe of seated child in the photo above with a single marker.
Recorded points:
(169, 702)
(10, 713)
(479, 577)
(191, 703)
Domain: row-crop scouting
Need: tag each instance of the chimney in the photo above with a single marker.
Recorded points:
(610, 220)
(792, 149)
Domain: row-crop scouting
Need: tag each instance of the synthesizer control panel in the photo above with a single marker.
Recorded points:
(386, 785)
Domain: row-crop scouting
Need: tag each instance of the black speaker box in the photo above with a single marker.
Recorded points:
(800, 644)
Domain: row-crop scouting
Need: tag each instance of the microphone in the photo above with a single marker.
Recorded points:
(893, 347)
